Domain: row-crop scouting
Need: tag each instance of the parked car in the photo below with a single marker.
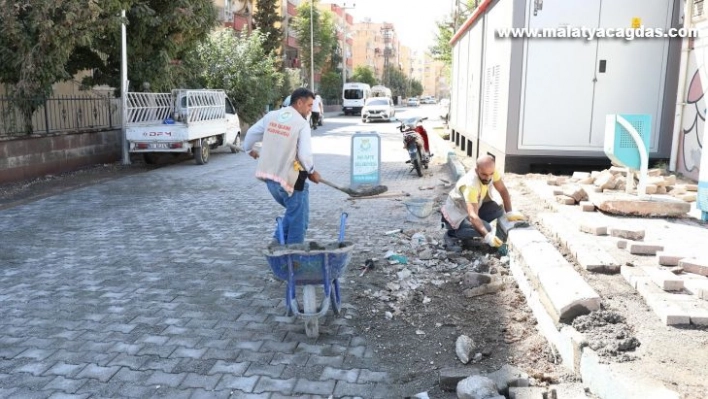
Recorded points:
(413, 102)
(427, 100)
(444, 109)
(378, 109)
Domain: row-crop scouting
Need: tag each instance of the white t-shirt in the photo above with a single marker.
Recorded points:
(317, 104)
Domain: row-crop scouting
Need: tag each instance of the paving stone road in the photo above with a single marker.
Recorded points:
(154, 285)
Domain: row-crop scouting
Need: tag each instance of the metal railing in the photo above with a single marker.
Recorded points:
(60, 114)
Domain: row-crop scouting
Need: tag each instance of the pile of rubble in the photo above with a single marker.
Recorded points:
(614, 179)
(416, 258)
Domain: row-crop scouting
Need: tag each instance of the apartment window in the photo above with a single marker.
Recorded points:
(698, 12)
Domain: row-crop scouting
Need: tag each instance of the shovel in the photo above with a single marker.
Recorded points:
(364, 192)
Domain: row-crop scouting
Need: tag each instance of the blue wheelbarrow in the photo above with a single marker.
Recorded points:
(309, 265)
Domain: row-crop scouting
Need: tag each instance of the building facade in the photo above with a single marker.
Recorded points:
(376, 45)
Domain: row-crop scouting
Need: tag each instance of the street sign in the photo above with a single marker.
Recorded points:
(366, 159)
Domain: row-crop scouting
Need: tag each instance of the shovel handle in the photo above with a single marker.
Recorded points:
(342, 189)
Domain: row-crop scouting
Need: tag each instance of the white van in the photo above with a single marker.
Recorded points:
(354, 96)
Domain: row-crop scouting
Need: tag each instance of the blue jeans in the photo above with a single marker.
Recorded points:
(297, 211)
(488, 212)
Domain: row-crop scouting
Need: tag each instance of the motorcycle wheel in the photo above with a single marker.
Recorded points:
(417, 164)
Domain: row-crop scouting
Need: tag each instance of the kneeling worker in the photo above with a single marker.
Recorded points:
(469, 208)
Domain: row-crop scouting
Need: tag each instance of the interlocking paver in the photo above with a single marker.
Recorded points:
(168, 379)
(234, 369)
(314, 387)
(68, 385)
(340, 375)
(138, 284)
(244, 384)
(207, 382)
(267, 384)
(100, 373)
(65, 369)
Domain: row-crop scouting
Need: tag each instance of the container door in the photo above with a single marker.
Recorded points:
(558, 81)
(630, 73)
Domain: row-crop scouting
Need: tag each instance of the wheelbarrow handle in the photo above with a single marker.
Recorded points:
(342, 225)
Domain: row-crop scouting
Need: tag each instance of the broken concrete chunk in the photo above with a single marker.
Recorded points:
(630, 233)
(594, 228)
(587, 206)
(579, 176)
(477, 387)
(449, 377)
(464, 348)
(623, 205)
(474, 280)
(651, 188)
(490, 288)
(668, 258)
(617, 170)
(565, 200)
(606, 181)
(670, 180)
(575, 192)
(508, 376)
(688, 197)
(644, 249)
(695, 265)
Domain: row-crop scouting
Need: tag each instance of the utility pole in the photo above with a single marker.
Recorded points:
(312, 49)
(124, 88)
(387, 32)
(344, 8)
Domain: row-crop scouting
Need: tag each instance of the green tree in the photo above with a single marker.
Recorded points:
(363, 74)
(266, 18)
(416, 88)
(331, 86)
(397, 82)
(159, 33)
(441, 49)
(240, 66)
(37, 38)
(323, 35)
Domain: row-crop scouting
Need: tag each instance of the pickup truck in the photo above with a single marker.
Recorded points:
(183, 121)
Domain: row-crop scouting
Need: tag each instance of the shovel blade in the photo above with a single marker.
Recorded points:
(369, 191)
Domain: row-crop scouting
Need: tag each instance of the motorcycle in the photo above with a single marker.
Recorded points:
(415, 140)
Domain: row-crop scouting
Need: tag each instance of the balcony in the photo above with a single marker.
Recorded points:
(292, 9)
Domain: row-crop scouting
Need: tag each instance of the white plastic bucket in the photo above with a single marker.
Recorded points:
(419, 209)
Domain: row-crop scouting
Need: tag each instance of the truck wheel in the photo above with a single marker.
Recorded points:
(237, 143)
(201, 154)
(150, 158)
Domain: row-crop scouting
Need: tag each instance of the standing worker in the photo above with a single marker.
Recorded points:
(285, 161)
(469, 208)
(317, 111)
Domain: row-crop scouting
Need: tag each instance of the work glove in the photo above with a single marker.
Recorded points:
(492, 240)
(514, 216)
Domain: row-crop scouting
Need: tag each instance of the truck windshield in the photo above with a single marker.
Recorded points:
(353, 94)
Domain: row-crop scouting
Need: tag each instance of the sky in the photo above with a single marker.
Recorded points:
(414, 20)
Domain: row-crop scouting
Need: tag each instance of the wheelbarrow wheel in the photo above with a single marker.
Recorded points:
(309, 299)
